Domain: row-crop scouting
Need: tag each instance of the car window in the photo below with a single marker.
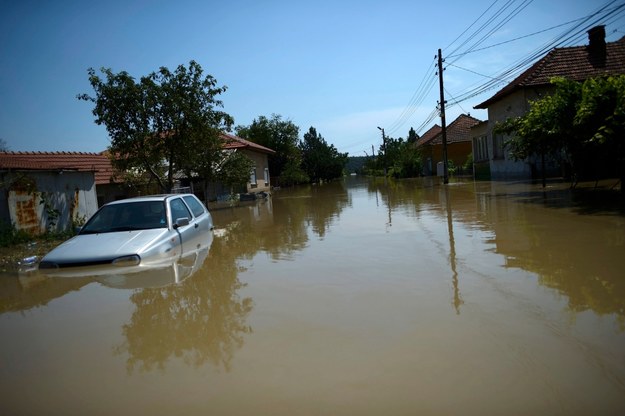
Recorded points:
(154, 215)
(127, 216)
(179, 209)
(102, 221)
(196, 206)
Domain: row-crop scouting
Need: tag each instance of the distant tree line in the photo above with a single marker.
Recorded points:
(397, 158)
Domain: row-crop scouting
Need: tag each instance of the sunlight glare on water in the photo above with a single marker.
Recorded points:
(359, 297)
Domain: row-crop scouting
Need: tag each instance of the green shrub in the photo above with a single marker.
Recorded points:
(9, 235)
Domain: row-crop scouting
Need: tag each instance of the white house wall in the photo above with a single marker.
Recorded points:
(261, 163)
(513, 105)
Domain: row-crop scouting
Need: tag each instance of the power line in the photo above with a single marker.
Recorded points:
(575, 31)
(485, 25)
(428, 120)
(454, 102)
(568, 37)
(428, 82)
(471, 25)
(513, 40)
(426, 85)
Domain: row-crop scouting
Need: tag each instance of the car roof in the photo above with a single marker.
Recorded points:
(159, 197)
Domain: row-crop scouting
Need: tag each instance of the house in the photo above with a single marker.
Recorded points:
(577, 63)
(259, 179)
(259, 176)
(459, 144)
(51, 190)
(427, 152)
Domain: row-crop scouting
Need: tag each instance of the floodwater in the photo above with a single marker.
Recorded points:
(364, 297)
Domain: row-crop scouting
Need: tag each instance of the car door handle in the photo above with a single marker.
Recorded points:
(197, 225)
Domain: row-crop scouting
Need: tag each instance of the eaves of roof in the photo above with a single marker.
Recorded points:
(429, 135)
(98, 163)
(457, 131)
(234, 142)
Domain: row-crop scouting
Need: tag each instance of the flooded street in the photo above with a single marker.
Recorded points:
(361, 297)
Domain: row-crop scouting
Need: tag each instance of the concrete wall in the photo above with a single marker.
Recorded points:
(456, 153)
(40, 201)
(504, 167)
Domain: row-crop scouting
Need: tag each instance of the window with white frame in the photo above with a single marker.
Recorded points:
(253, 182)
(266, 176)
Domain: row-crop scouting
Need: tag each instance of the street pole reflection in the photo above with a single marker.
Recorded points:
(457, 301)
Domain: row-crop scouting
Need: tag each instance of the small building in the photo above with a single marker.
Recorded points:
(50, 191)
(260, 179)
(576, 63)
(459, 144)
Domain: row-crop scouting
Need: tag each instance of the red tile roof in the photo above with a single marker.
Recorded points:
(98, 163)
(234, 142)
(458, 131)
(577, 63)
(429, 135)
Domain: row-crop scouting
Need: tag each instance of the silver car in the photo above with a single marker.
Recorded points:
(146, 231)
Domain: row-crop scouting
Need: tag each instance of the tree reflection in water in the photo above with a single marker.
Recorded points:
(202, 320)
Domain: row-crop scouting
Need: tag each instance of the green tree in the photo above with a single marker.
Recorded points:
(282, 136)
(412, 136)
(234, 169)
(600, 118)
(400, 158)
(579, 123)
(410, 161)
(166, 122)
(321, 161)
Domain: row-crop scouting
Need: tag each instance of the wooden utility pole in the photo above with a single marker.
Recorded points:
(383, 149)
(443, 124)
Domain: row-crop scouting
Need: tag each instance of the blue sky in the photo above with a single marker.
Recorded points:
(343, 67)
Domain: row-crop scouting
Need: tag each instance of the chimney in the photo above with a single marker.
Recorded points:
(596, 46)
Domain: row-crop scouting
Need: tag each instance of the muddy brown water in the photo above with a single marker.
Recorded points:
(364, 297)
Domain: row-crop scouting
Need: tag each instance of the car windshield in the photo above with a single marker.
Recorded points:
(142, 215)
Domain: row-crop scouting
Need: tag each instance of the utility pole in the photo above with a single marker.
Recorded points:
(443, 125)
(383, 148)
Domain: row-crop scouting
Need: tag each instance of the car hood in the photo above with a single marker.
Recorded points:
(104, 246)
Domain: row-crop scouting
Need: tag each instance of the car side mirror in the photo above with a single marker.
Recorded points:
(181, 222)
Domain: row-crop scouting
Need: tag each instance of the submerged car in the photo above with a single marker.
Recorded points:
(146, 231)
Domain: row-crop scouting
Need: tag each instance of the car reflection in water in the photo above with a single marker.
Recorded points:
(147, 241)
(151, 277)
